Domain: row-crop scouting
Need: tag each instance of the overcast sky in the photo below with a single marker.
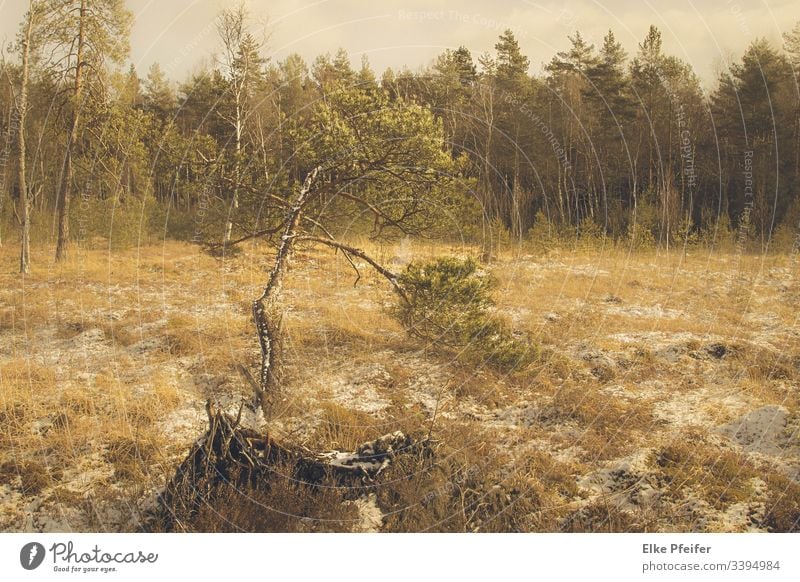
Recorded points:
(180, 34)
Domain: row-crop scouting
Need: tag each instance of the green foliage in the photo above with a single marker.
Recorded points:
(450, 304)
(642, 226)
(783, 239)
(786, 237)
(95, 222)
(597, 133)
(640, 236)
(385, 154)
(718, 234)
(446, 296)
(461, 219)
(590, 234)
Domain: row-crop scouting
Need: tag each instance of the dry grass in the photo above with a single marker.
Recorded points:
(105, 362)
(720, 477)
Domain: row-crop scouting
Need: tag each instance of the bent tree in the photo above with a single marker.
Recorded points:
(365, 155)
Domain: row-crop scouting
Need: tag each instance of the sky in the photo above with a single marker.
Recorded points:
(180, 34)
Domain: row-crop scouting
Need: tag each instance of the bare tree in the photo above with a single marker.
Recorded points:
(242, 63)
(65, 189)
(34, 12)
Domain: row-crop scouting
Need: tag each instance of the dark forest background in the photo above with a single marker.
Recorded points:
(602, 144)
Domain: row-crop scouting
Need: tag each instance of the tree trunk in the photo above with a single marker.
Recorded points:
(266, 328)
(22, 108)
(65, 191)
(236, 172)
(6, 149)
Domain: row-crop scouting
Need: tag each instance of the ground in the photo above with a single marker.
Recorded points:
(665, 396)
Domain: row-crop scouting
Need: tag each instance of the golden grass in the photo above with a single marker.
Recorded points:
(175, 321)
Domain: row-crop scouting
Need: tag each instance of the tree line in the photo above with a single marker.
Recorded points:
(602, 143)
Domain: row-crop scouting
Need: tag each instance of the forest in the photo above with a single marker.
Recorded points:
(603, 144)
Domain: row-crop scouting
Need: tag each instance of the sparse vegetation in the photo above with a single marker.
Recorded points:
(613, 426)
(623, 357)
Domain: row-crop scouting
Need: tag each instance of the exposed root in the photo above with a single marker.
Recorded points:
(231, 456)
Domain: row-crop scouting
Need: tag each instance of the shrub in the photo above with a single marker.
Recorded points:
(450, 304)
(640, 236)
(589, 230)
(718, 233)
(685, 234)
(543, 235)
(642, 225)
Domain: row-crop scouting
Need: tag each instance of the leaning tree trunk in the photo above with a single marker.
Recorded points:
(263, 306)
(244, 459)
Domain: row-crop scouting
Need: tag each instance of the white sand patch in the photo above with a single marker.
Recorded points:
(622, 392)
(645, 312)
(586, 271)
(77, 353)
(656, 339)
(627, 482)
(517, 315)
(11, 508)
(370, 515)
(359, 390)
(743, 516)
(700, 407)
(88, 470)
(521, 414)
(764, 430)
(358, 396)
(427, 384)
(185, 424)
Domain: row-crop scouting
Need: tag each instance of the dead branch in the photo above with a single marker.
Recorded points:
(247, 237)
(213, 246)
(229, 455)
(390, 276)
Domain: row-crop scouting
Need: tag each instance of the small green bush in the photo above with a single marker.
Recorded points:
(543, 236)
(640, 236)
(450, 304)
(685, 234)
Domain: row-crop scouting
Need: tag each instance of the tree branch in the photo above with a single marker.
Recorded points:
(392, 277)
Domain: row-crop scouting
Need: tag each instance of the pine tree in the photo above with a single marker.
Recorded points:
(159, 97)
(83, 35)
